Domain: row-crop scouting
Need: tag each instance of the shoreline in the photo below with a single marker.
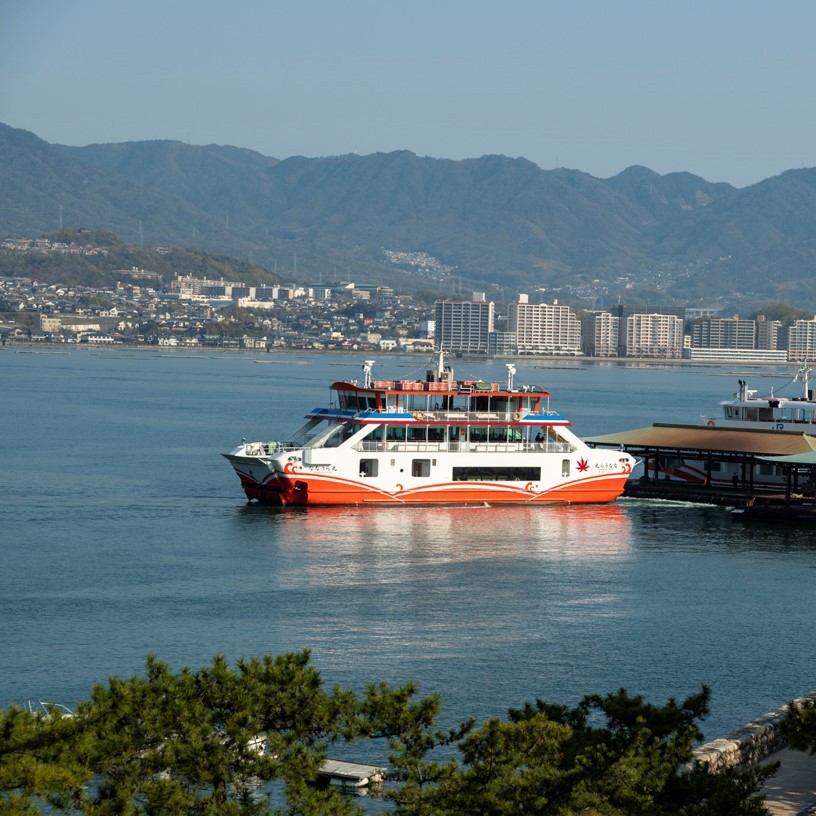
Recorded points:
(540, 361)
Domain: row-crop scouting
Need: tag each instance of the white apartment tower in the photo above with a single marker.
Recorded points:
(654, 335)
(463, 325)
(767, 336)
(543, 328)
(600, 334)
(802, 341)
(724, 333)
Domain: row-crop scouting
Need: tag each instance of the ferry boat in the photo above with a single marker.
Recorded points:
(746, 411)
(434, 441)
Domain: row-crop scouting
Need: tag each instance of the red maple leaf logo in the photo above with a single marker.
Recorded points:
(583, 465)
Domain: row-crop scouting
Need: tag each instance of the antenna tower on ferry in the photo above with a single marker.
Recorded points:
(511, 372)
(369, 364)
(440, 366)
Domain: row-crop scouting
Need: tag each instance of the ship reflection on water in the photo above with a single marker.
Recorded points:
(556, 532)
(448, 596)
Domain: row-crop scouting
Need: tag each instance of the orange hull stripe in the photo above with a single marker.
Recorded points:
(317, 489)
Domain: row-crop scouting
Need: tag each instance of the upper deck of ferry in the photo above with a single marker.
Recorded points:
(441, 399)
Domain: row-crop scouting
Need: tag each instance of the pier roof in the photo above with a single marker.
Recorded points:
(807, 458)
(701, 438)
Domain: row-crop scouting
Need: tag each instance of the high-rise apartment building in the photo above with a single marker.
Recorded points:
(654, 335)
(600, 335)
(802, 340)
(767, 334)
(723, 332)
(463, 325)
(543, 328)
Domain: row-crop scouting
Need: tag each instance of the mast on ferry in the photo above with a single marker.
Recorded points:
(803, 374)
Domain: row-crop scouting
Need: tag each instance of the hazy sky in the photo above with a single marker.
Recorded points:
(721, 89)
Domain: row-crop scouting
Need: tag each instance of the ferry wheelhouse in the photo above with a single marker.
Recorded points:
(434, 441)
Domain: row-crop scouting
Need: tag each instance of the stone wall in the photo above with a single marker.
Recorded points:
(750, 744)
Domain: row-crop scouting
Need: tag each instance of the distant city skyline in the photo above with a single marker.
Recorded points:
(720, 90)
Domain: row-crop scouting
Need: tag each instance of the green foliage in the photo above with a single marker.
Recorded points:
(614, 755)
(37, 766)
(211, 741)
(783, 312)
(799, 726)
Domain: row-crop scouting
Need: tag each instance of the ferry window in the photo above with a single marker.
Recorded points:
(496, 474)
(333, 439)
(498, 434)
(418, 434)
(421, 467)
(369, 467)
(565, 467)
(396, 433)
(349, 431)
(478, 434)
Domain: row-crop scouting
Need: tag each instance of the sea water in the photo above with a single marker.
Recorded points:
(124, 533)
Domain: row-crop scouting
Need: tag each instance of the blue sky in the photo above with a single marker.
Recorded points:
(720, 89)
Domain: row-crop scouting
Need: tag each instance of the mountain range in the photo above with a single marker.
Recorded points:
(495, 223)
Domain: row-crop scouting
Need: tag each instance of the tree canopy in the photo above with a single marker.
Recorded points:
(249, 739)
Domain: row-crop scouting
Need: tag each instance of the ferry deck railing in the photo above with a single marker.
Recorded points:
(462, 446)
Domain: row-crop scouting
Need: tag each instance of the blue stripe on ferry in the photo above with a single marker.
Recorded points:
(374, 416)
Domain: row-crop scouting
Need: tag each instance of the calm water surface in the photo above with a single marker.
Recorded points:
(124, 533)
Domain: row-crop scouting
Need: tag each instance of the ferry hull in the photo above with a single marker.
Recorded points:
(309, 489)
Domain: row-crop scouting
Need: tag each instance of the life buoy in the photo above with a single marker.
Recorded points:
(419, 415)
(516, 416)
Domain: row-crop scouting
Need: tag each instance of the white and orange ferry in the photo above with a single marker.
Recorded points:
(434, 441)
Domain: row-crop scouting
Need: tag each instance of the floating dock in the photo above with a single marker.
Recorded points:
(351, 774)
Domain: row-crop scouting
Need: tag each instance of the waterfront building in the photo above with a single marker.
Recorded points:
(654, 335)
(502, 343)
(767, 333)
(600, 335)
(543, 328)
(802, 340)
(736, 355)
(463, 325)
(50, 324)
(723, 333)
